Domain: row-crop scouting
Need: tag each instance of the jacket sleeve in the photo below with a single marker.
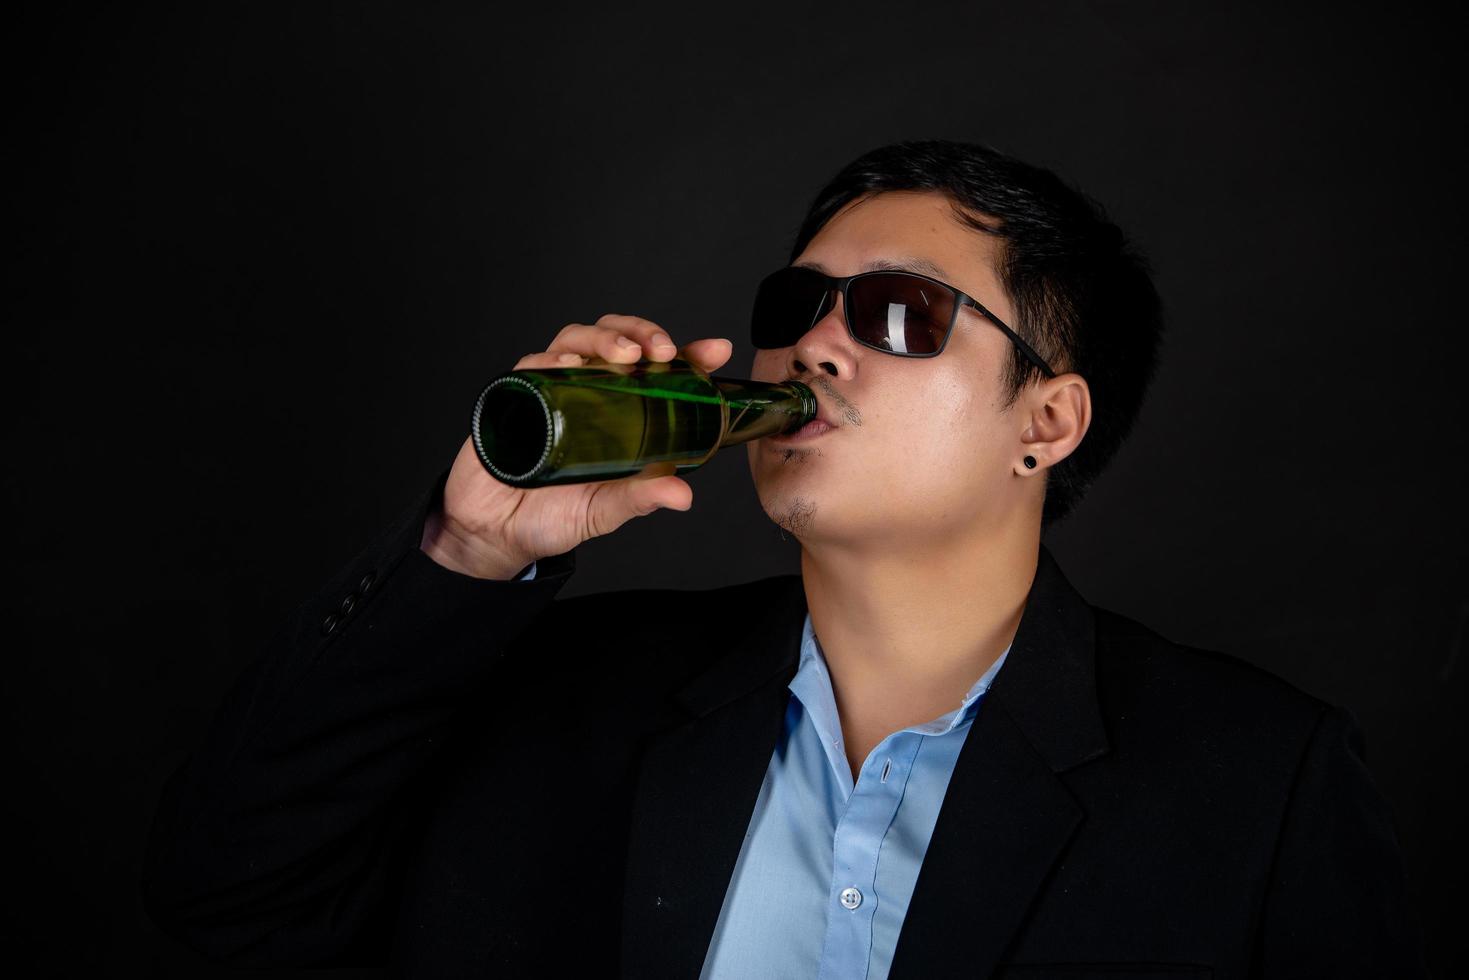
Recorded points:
(1337, 902)
(281, 840)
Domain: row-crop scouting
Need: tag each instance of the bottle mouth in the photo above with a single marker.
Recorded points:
(809, 404)
(512, 428)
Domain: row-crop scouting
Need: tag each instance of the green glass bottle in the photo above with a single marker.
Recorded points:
(544, 426)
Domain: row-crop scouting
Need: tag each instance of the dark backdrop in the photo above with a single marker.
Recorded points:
(267, 255)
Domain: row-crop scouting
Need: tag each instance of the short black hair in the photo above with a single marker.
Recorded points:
(1083, 294)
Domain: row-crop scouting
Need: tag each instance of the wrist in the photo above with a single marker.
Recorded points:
(459, 551)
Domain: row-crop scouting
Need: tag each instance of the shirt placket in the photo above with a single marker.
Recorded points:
(852, 900)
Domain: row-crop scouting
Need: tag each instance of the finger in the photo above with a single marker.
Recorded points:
(653, 339)
(670, 492)
(616, 502)
(597, 340)
(709, 354)
(550, 359)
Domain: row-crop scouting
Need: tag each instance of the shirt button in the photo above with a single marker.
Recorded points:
(851, 898)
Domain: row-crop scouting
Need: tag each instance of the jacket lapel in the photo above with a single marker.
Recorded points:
(1005, 819)
(698, 783)
(1007, 816)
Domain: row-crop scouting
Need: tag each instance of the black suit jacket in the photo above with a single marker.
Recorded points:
(473, 777)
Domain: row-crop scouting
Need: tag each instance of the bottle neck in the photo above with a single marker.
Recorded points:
(761, 408)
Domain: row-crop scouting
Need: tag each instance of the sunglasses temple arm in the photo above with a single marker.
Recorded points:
(1025, 348)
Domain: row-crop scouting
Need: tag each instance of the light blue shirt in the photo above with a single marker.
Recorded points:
(822, 883)
(823, 879)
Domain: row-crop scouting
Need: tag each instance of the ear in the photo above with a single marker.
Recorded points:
(1059, 411)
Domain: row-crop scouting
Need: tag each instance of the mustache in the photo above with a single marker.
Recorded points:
(849, 412)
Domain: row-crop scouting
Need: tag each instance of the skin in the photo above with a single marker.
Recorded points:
(918, 522)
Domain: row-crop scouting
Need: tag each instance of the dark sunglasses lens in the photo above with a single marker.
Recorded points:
(900, 314)
(786, 304)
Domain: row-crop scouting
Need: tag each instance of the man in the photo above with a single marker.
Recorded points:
(924, 756)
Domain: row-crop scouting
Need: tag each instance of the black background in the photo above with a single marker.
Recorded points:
(264, 256)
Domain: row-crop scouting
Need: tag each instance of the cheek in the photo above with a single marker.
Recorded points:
(932, 412)
(766, 365)
(939, 440)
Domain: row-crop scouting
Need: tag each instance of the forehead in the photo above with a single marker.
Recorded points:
(877, 229)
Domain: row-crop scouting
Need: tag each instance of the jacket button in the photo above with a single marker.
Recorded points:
(366, 582)
(330, 623)
(349, 603)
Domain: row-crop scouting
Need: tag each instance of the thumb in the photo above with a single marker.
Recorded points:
(670, 492)
(643, 496)
(615, 503)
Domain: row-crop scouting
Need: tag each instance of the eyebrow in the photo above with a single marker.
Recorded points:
(902, 264)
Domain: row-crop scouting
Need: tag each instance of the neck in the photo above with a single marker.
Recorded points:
(907, 633)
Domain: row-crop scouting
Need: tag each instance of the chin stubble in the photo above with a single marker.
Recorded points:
(797, 517)
(795, 455)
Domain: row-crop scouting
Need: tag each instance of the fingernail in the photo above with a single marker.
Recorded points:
(568, 358)
(626, 342)
(662, 340)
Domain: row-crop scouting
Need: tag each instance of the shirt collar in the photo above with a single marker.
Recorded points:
(812, 685)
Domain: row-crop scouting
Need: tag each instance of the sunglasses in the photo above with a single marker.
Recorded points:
(901, 313)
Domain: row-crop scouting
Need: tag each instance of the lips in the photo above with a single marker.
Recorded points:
(823, 414)
(823, 422)
(815, 427)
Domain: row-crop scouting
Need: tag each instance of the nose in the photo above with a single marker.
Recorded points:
(828, 300)
(825, 346)
(831, 304)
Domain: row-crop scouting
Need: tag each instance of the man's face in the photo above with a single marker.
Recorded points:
(921, 452)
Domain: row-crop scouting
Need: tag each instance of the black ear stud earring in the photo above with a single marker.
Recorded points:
(1030, 462)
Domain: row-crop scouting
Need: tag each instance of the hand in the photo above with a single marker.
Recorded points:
(490, 529)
